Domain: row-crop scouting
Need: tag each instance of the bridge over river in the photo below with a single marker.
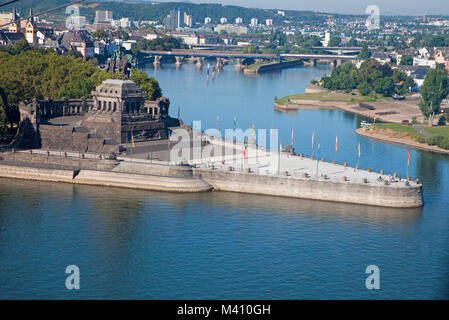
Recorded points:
(198, 57)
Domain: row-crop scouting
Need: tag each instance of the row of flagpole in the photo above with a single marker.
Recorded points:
(271, 134)
(313, 145)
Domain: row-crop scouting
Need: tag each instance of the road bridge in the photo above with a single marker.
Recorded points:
(199, 56)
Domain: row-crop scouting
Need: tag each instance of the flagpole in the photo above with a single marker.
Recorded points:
(132, 144)
(318, 161)
(95, 144)
(408, 162)
(60, 141)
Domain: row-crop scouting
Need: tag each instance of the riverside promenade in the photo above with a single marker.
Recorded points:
(221, 166)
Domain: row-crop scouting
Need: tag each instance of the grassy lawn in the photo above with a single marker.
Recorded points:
(438, 131)
(329, 96)
(257, 65)
(408, 130)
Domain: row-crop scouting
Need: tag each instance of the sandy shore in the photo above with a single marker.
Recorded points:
(366, 132)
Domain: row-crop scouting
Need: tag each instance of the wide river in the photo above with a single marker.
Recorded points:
(151, 245)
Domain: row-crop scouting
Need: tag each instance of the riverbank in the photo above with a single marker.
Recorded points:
(269, 66)
(397, 138)
(384, 109)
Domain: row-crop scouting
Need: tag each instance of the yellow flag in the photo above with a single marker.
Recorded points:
(359, 149)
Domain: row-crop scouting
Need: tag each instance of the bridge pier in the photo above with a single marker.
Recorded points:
(199, 62)
(179, 60)
(239, 64)
(157, 61)
(220, 64)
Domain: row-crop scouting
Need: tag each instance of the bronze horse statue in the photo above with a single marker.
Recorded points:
(121, 62)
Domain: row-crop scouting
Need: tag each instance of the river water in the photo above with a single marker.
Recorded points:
(154, 245)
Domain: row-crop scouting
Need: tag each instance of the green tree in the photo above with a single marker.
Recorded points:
(406, 60)
(147, 84)
(365, 53)
(433, 91)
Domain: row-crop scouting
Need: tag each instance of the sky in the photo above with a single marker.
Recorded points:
(387, 7)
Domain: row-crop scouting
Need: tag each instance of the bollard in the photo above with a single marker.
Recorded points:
(382, 172)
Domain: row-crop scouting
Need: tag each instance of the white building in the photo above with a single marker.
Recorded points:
(223, 20)
(103, 16)
(125, 23)
(238, 21)
(207, 20)
(229, 28)
(189, 38)
(254, 22)
(188, 20)
(424, 62)
(269, 22)
(281, 13)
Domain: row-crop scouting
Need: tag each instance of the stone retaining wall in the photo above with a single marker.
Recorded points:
(348, 192)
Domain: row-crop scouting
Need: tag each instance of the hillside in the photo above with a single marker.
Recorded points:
(146, 11)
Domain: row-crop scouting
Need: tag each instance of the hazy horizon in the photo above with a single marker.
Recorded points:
(387, 7)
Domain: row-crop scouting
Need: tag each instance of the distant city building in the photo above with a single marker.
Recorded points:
(77, 41)
(16, 29)
(207, 20)
(188, 20)
(254, 22)
(281, 13)
(238, 21)
(175, 20)
(229, 28)
(125, 23)
(223, 20)
(189, 38)
(103, 16)
(269, 22)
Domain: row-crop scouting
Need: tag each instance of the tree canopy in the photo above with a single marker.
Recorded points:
(371, 77)
(433, 91)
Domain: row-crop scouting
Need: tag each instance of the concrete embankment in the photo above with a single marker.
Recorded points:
(274, 66)
(393, 196)
(111, 173)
